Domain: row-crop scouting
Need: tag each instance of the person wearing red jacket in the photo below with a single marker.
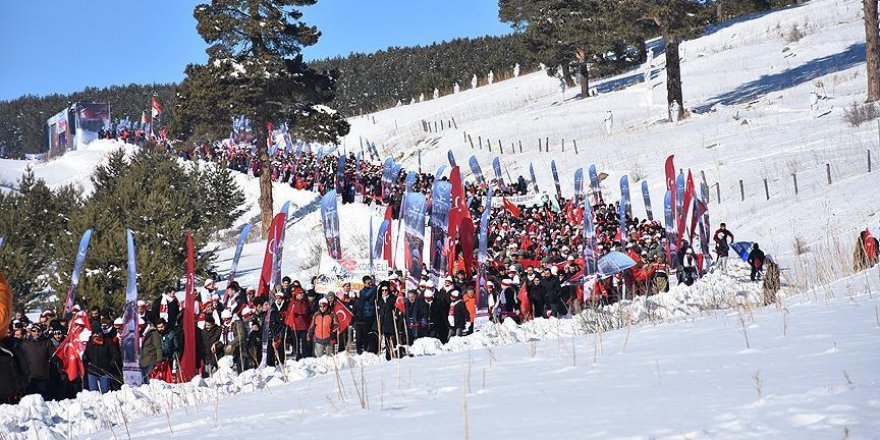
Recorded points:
(298, 320)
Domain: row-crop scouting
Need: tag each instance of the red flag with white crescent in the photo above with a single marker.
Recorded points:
(343, 315)
(268, 259)
(157, 109)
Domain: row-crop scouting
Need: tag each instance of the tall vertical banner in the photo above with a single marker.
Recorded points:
(379, 242)
(625, 201)
(671, 245)
(370, 248)
(475, 168)
(357, 174)
(621, 213)
(129, 340)
(441, 203)
(279, 246)
(496, 166)
(679, 199)
(420, 160)
(684, 212)
(695, 206)
(188, 362)
(578, 183)
(466, 234)
(340, 174)
(387, 251)
(646, 195)
(269, 260)
(414, 243)
(594, 185)
(556, 180)
(482, 258)
(451, 158)
(242, 239)
(77, 270)
(534, 180)
(590, 257)
(386, 177)
(330, 221)
(439, 172)
(704, 192)
(670, 182)
(410, 181)
(457, 211)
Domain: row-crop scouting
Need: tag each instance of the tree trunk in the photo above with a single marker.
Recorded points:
(584, 70)
(265, 178)
(673, 77)
(872, 55)
(566, 75)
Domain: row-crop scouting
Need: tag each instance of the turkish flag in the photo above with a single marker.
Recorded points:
(343, 315)
(510, 207)
(157, 109)
(525, 305)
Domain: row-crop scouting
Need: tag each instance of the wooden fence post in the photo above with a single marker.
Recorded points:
(500, 148)
(575, 146)
(718, 190)
(766, 190)
(563, 145)
(869, 160)
(435, 126)
(471, 140)
(455, 124)
(520, 146)
(480, 141)
(441, 124)
(742, 191)
(539, 145)
(547, 144)
(794, 176)
(489, 144)
(828, 172)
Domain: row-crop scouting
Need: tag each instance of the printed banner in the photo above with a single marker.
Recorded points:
(475, 168)
(414, 243)
(579, 183)
(625, 201)
(279, 247)
(267, 271)
(441, 203)
(482, 258)
(534, 181)
(77, 270)
(340, 174)
(242, 239)
(451, 158)
(496, 166)
(646, 195)
(439, 172)
(556, 180)
(671, 247)
(670, 182)
(129, 339)
(330, 221)
(594, 185)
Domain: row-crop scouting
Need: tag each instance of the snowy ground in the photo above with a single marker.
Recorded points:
(748, 88)
(804, 369)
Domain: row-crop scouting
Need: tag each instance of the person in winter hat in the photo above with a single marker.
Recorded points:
(723, 239)
(756, 262)
(322, 332)
(459, 318)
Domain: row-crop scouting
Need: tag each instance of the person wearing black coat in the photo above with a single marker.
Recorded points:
(38, 350)
(756, 262)
(415, 315)
(390, 320)
(438, 317)
(212, 349)
(365, 321)
(99, 359)
(552, 290)
(460, 316)
(536, 296)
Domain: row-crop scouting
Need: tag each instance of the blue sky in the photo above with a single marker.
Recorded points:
(63, 46)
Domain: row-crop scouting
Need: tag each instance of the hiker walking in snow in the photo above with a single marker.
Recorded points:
(866, 252)
(609, 122)
(723, 239)
(756, 262)
(814, 104)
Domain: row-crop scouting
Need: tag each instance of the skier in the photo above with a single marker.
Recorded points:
(609, 122)
(814, 104)
(756, 262)
(723, 239)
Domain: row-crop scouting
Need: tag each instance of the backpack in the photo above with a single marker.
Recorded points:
(15, 372)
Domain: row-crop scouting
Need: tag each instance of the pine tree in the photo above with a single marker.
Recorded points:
(34, 220)
(677, 20)
(872, 50)
(255, 68)
(560, 32)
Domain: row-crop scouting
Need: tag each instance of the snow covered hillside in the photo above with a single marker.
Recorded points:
(804, 369)
(678, 368)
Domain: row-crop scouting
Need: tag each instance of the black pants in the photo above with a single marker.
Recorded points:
(367, 339)
(756, 274)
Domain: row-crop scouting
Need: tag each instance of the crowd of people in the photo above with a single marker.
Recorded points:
(535, 268)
